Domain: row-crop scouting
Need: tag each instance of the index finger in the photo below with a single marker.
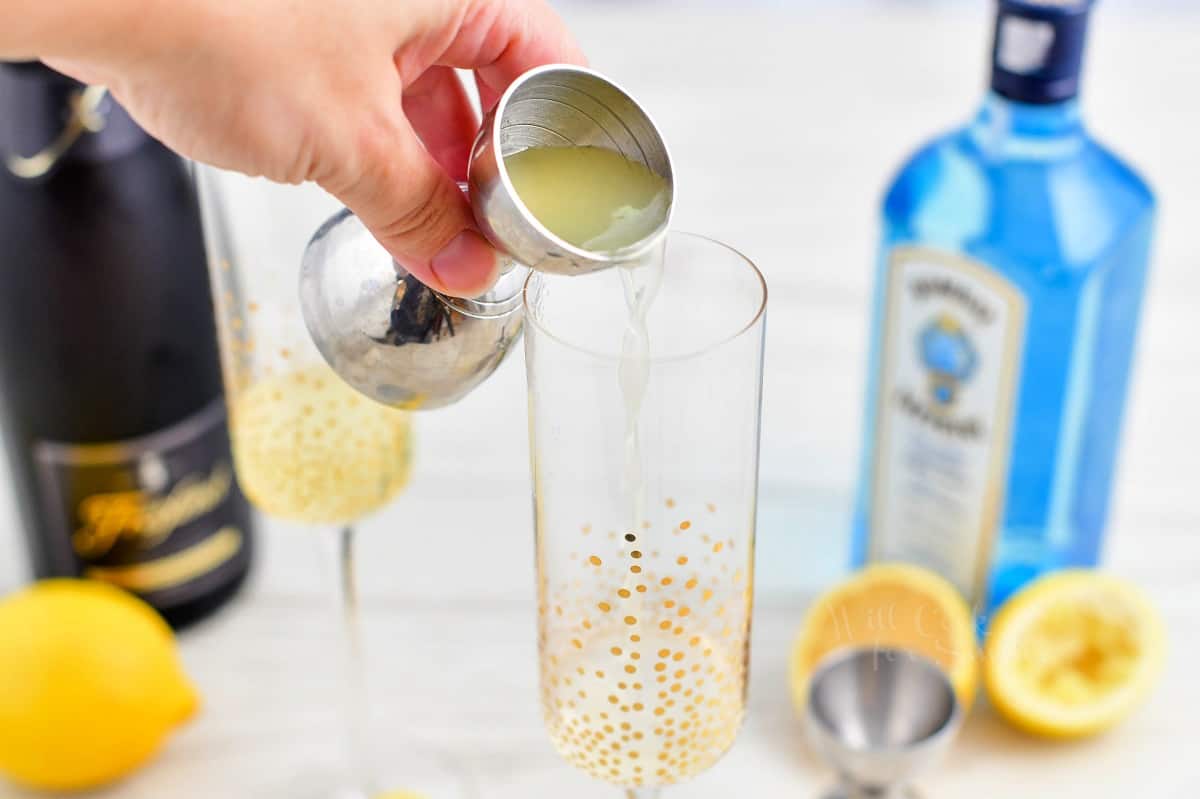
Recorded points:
(505, 38)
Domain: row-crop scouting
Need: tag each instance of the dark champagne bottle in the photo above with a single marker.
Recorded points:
(110, 383)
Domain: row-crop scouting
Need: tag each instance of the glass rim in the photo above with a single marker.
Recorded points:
(755, 319)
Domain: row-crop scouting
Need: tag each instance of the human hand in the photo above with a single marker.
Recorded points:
(359, 96)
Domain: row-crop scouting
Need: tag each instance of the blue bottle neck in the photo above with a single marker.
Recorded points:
(1007, 129)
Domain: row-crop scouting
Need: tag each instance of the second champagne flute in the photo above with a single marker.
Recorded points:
(307, 448)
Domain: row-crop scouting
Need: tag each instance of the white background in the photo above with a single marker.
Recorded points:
(786, 120)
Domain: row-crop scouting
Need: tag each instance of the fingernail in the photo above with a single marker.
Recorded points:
(467, 266)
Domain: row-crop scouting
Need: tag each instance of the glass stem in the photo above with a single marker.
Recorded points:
(354, 678)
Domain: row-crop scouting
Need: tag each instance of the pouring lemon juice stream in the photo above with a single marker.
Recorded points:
(601, 201)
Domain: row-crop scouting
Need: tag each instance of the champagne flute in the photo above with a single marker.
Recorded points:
(307, 447)
(645, 482)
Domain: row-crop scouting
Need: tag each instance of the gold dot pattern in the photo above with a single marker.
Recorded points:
(307, 447)
(643, 672)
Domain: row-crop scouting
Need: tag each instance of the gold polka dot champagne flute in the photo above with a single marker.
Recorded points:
(308, 449)
(645, 473)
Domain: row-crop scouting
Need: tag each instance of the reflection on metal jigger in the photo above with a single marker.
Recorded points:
(390, 336)
(880, 717)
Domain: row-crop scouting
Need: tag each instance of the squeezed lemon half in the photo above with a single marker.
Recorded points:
(1072, 654)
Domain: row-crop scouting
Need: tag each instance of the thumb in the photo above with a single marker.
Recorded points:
(416, 211)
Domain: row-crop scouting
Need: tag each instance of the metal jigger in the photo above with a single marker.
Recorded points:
(559, 106)
(880, 717)
(403, 344)
(390, 336)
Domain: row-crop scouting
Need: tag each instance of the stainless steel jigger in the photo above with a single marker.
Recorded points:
(390, 336)
(558, 106)
(880, 717)
(403, 344)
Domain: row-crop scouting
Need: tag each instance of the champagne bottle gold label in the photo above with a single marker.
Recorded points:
(158, 515)
(953, 335)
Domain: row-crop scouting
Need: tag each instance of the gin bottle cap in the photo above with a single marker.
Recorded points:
(1037, 52)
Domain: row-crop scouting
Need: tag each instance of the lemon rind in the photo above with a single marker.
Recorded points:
(1040, 714)
(965, 677)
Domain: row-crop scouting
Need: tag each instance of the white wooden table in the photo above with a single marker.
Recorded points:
(785, 121)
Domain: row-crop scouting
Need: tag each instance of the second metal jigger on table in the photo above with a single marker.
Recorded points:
(880, 717)
(403, 344)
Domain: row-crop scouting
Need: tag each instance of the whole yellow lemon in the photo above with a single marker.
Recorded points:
(90, 685)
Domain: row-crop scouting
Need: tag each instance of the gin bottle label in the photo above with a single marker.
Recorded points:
(953, 334)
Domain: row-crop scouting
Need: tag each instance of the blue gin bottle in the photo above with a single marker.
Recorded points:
(1009, 287)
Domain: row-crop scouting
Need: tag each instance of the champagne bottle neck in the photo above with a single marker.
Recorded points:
(47, 120)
